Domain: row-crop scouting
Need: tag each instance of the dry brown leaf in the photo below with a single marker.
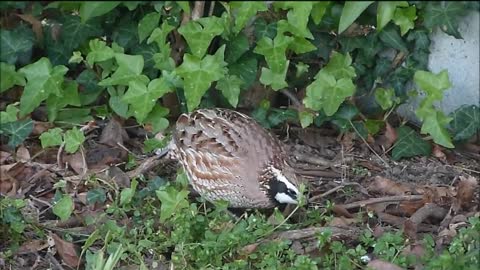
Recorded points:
(383, 265)
(437, 152)
(36, 25)
(387, 186)
(390, 135)
(22, 154)
(40, 127)
(33, 246)
(466, 191)
(119, 176)
(347, 141)
(82, 197)
(76, 162)
(66, 250)
(103, 156)
(5, 157)
(113, 133)
(342, 222)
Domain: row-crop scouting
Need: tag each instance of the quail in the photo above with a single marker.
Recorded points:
(228, 156)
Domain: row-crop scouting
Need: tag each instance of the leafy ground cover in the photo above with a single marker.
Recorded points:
(90, 89)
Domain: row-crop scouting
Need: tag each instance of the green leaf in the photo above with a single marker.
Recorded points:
(127, 194)
(159, 35)
(42, 80)
(17, 131)
(346, 112)
(198, 75)
(163, 61)
(236, 47)
(445, 15)
(96, 195)
(90, 10)
(306, 118)
(302, 68)
(392, 38)
(385, 97)
(244, 11)
(230, 88)
(184, 5)
(172, 201)
(262, 29)
(75, 32)
(64, 207)
(409, 144)
(433, 84)
(157, 118)
(318, 10)
(147, 24)
(405, 18)
(70, 97)
(76, 58)
(200, 33)
(99, 52)
(465, 123)
(126, 32)
(386, 11)
(246, 69)
(340, 66)
(274, 52)
(52, 137)
(142, 98)
(351, 11)
(301, 45)
(298, 15)
(129, 69)
(16, 44)
(9, 115)
(9, 77)
(434, 123)
(73, 139)
(327, 93)
(373, 126)
(275, 79)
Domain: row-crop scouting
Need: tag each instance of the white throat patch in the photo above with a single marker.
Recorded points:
(282, 197)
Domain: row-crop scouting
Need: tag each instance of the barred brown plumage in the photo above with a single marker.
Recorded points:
(229, 156)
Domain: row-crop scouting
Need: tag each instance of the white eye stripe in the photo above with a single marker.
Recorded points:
(280, 177)
(284, 198)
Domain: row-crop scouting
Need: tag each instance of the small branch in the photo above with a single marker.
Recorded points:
(318, 173)
(147, 165)
(293, 98)
(212, 7)
(197, 11)
(382, 200)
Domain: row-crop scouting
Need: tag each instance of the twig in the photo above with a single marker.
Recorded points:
(368, 145)
(292, 98)
(212, 7)
(197, 11)
(318, 173)
(145, 166)
(382, 200)
(54, 261)
(59, 155)
(41, 201)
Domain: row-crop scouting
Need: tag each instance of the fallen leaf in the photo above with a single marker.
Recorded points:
(33, 246)
(66, 250)
(466, 191)
(76, 162)
(119, 176)
(114, 133)
(41, 127)
(387, 186)
(437, 151)
(342, 222)
(22, 154)
(382, 265)
(347, 141)
(103, 156)
(390, 134)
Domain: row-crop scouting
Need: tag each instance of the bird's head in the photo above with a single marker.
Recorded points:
(283, 186)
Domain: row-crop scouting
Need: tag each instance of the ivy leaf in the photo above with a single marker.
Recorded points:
(17, 131)
(421, 39)
(274, 52)
(198, 75)
(75, 33)
(385, 97)
(157, 119)
(275, 79)
(306, 118)
(327, 93)
(147, 24)
(96, 195)
(42, 80)
(64, 207)
(386, 11)
(184, 5)
(99, 52)
(200, 33)
(465, 123)
(318, 10)
(246, 69)
(434, 123)
(445, 15)
(340, 66)
(244, 11)
(119, 106)
(433, 84)
(52, 137)
(298, 15)
(90, 10)
(351, 11)
(9, 115)
(129, 69)
(405, 18)
(142, 99)
(301, 45)
(73, 139)
(163, 61)
(159, 34)
(70, 97)
(15, 44)
(10, 77)
(409, 144)
(230, 88)
(172, 201)
(392, 38)
(262, 29)
(125, 33)
(236, 48)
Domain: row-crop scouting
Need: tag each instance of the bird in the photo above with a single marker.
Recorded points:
(228, 156)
